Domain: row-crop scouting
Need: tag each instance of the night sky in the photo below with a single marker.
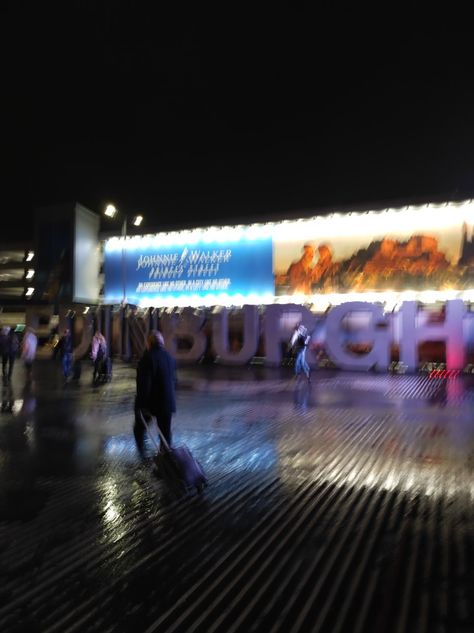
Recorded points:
(198, 119)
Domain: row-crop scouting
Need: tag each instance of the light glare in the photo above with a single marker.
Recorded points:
(110, 210)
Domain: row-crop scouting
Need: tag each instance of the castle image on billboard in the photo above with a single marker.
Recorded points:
(417, 262)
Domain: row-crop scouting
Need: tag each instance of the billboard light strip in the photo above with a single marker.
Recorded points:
(414, 218)
(391, 300)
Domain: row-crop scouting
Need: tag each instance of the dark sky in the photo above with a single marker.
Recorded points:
(207, 119)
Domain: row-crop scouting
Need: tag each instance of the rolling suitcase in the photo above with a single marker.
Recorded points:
(177, 466)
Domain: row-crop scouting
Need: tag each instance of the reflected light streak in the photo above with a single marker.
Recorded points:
(17, 406)
(405, 475)
(112, 510)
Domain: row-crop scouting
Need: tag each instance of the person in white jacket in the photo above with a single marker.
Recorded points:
(98, 353)
(28, 351)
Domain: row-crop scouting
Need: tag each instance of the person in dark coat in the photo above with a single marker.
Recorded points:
(156, 384)
(9, 345)
(65, 347)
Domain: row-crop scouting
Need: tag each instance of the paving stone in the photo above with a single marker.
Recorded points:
(344, 504)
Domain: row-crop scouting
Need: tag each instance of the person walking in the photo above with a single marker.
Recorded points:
(156, 385)
(4, 351)
(98, 354)
(9, 345)
(65, 349)
(28, 351)
(299, 343)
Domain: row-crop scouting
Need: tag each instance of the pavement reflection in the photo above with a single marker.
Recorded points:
(321, 495)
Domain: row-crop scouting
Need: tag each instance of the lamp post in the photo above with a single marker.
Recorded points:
(111, 211)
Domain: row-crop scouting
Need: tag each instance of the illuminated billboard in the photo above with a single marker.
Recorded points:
(145, 269)
(416, 249)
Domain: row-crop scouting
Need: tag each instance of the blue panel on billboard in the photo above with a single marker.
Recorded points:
(146, 270)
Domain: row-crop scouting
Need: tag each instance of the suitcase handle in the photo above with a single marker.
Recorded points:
(150, 434)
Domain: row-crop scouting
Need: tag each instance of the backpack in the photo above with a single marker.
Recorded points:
(300, 339)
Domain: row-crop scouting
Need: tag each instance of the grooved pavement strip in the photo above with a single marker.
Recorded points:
(344, 504)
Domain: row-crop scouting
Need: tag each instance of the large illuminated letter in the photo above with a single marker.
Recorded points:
(279, 322)
(167, 327)
(138, 328)
(33, 314)
(365, 324)
(105, 323)
(117, 333)
(414, 333)
(186, 327)
(220, 336)
(86, 324)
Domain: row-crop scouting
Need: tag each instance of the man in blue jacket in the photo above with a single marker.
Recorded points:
(65, 347)
(156, 384)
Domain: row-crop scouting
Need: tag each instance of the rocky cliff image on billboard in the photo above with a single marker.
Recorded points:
(416, 263)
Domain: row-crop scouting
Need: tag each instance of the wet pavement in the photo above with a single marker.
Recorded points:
(340, 505)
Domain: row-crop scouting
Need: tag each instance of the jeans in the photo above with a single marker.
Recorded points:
(67, 364)
(9, 360)
(301, 365)
(96, 373)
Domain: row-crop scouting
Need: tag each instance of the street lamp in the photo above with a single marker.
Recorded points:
(111, 211)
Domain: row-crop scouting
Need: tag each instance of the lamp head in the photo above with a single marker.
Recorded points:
(110, 211)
